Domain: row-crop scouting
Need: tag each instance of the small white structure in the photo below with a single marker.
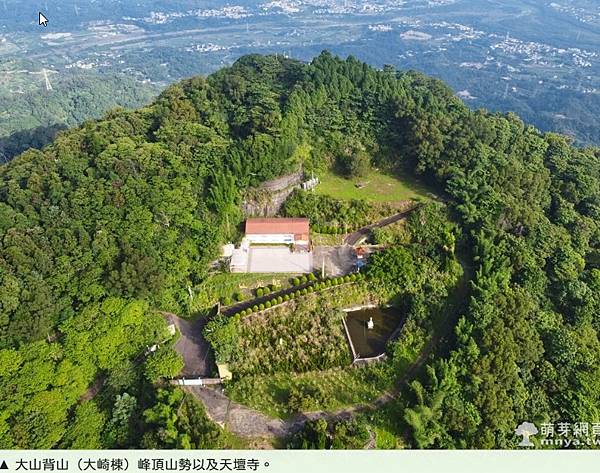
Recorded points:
(310, 184)
(370, 324)
(190, 382)
(227, 250)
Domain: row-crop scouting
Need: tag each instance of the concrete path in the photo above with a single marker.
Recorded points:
(236, 418)
(354, 238)
(249, 423)
(339, 260)
(194, 349)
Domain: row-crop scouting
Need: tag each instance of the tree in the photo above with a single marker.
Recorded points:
(118, 430)
(85, 432)
(176, 420)
(163, 363)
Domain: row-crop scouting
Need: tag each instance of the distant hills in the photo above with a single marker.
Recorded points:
(538, 59)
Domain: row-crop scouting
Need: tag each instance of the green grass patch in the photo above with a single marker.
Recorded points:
(384, 439)
(322, 239)
(375, 187)
(337, 388)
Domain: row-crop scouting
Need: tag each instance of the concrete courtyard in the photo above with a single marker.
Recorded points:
(339, 260)
(278, 259)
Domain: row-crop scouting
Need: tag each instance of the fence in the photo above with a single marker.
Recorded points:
(367, 361)
(356, 360)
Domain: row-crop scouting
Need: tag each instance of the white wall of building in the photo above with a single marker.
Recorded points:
(276, 239)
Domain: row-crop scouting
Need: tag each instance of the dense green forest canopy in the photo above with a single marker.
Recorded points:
(32, 119)
(134, 206)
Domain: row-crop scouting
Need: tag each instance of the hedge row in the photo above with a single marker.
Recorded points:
(228, 300)
(317, 286)
(303, 280)
(266, 290)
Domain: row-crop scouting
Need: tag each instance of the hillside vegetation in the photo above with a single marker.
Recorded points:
(121, 216)
(32, 119)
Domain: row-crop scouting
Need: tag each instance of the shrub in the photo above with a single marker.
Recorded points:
(268, 305)
(261, 307)
(312, 277)
(296, 282)
(304, 291)
(306, 398)
(297, 293)
(311, 289)
(286, 298)
(303, 279)
(273, 287)
(280, 300)
(255, 308)
(238, 296)
(226, 300)
(259, 292)
(266, 290)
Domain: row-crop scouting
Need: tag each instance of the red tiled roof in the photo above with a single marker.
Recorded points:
(270, 226)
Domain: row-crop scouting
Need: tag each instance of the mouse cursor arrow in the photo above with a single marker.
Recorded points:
(43, 20)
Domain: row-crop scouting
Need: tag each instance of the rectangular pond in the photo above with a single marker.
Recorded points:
(371, 342)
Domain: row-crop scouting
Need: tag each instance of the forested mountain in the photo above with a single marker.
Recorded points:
(120, 217)
(31, 119)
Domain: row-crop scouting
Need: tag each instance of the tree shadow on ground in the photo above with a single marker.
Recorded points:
(38, 137)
